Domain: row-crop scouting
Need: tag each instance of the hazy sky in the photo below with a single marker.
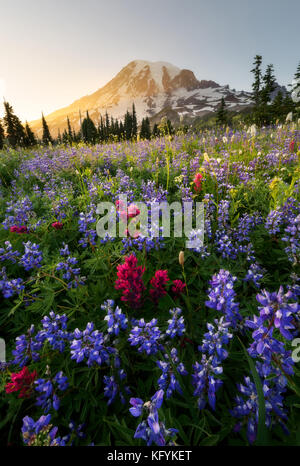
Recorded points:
(55, 51)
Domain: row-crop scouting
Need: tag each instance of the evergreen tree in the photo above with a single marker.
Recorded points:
(14, 129)
(134, 123)
(70, 132)
(30, 139)
(145, 131)
(147, 128)
(117, 129)
(46, 138)
(296, 85)
(256, 86)
(277, 109)
(269, 84)
(112, 126)
(156, 131)
(107, 126)
(1, 136)
(89, 130)
(128, 125)
(142, 130)
(101, 130)
(65, 137)
(288, 104)
(121, 130)
(222, 113)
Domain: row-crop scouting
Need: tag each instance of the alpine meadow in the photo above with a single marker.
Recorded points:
(150, 250)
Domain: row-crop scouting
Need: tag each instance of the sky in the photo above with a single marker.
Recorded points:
(53, 52)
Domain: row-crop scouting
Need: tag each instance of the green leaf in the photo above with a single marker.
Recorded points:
(210, 441)
(262, 432)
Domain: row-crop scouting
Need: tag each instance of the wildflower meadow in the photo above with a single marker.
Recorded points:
(138, 339)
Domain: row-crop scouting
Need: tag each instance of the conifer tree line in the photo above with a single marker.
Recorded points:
(108, 129)
(266, 109)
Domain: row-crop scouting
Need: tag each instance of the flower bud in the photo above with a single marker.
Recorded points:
(181, 258)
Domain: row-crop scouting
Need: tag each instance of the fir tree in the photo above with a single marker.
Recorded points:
(134, 123)
(46, 138)
(59, 139)
(121, 130)
(107, 126)
(277, 106)
(145, 132)
(156, 131)
(1, 136)
(89, 130)
(14, 129)
(70, 133)
(256, 86)
(296, 85)
(288, 104)
(30, 139)
(128, 125)
(65, 137)
(222, 113)
(101, 130)
(269, 84)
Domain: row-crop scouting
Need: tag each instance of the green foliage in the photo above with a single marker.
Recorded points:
(86, 180)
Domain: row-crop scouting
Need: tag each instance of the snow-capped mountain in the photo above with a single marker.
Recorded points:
(154, 87)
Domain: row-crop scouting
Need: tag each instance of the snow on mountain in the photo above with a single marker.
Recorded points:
(153, 87)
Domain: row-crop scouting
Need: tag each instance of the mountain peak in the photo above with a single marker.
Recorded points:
(152, 86)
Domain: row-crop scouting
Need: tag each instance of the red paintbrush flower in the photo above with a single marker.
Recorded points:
(19, 230)
(198, 182)
(158, 283)
(130, 281)
(178, 288)
(292, 146)
(22, 381)
(57, 225)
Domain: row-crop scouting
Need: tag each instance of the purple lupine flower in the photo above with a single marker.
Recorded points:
(254, 274)
(71, 274)
(277, 308)
(116, 320)
(170, 368)
(32, 256)
(221, 296)
(205, 378)
(176, 324)
(85, 220)
(41, 432)
(90, 345)
(27, 348)
(55, 331)
(246, 408)
(10, 287)
(146, 336)
(274, 221)
(64, 251)
(48, 389)
(292, 238)
(7, 253)
(150, 430)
